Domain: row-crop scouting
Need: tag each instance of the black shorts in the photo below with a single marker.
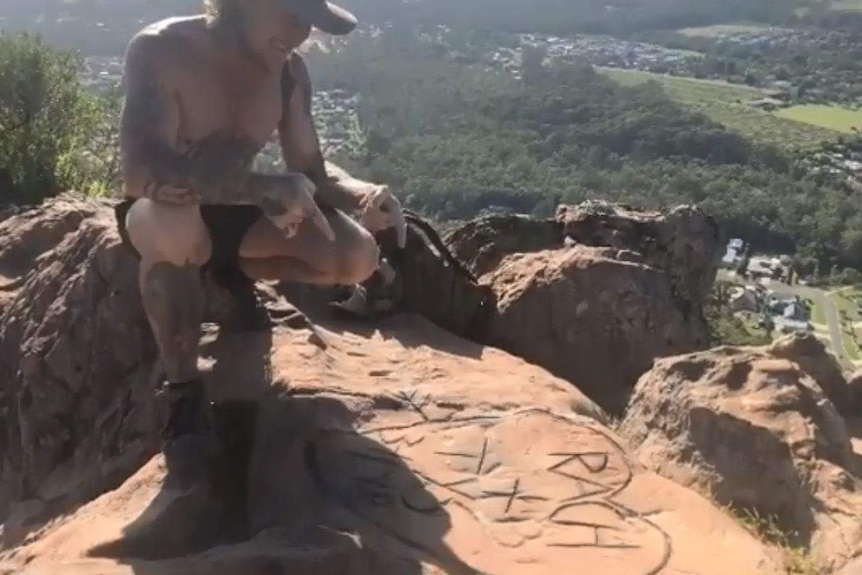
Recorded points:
(227, 225)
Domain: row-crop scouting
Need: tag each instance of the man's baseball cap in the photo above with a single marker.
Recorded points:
(323, 15)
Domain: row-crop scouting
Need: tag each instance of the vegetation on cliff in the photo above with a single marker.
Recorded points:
(54, 135)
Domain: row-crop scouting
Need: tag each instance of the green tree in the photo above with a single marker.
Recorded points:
(53, 134)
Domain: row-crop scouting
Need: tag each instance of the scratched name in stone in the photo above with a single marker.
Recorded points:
(520, 493)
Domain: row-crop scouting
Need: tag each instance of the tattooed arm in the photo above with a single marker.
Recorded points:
(300, 144)
(376, 206)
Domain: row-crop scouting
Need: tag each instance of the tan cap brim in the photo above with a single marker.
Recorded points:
(324, 16)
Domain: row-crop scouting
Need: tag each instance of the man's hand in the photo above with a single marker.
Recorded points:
(288, 200)
(380, 210)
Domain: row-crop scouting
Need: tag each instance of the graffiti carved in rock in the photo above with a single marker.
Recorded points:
(528, 489)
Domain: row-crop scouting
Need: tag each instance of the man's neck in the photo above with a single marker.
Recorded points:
(234, 46)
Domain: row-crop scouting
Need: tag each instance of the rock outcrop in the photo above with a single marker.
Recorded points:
(598, 293)
(811, 355)
(590, 316)
(393, 448)
(483, 243)
(403, 451)
(76, 359)
(685, 244)
(754, 428)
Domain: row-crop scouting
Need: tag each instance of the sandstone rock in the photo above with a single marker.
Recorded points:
(483, 243)
(76, 357)
(393, 448)
(756, 431)
(598, 293)
(416, 453)
(684, 244)
(812, 356)
(852, 568)
(78, 362)
(590, 318)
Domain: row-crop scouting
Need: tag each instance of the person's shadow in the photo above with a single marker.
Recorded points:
(295, 489)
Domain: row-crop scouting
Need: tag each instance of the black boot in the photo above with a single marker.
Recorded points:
(188, 441)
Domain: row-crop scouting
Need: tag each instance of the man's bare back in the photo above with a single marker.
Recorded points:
(203, 96)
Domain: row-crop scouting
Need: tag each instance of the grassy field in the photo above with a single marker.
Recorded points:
(846, 302)
(829, 117)
(847, 5)
(725, 104)
(818, 316)
(719, 30)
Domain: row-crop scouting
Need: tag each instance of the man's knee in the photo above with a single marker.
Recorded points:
(166, 233)
(360, 260)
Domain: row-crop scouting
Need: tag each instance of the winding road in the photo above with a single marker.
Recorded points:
(830, 310)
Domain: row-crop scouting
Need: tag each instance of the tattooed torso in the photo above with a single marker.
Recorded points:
(196, 119)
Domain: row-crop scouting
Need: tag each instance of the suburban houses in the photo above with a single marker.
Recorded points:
(759, 295)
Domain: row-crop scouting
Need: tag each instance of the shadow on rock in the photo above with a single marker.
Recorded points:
(408, 329)
(854, 429)
(767, 461)
(295, 489)
(312, 468)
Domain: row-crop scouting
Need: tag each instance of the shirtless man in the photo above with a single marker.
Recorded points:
(203, 96)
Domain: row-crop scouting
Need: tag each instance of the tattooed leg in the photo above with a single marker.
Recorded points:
(173, 300)
(174, 303)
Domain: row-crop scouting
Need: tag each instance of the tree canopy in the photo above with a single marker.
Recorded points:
(53, 134)
(456, 139)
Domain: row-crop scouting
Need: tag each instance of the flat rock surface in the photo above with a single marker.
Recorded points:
(403, 450)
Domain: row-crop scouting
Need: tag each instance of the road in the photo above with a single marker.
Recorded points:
(830, 310)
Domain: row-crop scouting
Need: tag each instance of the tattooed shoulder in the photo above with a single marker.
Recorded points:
(143, 83)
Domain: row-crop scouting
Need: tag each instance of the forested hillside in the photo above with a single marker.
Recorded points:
(455, 139)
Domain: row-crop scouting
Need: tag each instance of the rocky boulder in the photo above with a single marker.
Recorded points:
(754, 429)
(684, 243)
(399, 450)
(591, 316)
(813, 358)
(76, 359)
(482, 244)
(78, 363)
(598, 293)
